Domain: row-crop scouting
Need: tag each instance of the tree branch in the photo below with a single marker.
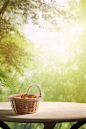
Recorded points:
(4, 8)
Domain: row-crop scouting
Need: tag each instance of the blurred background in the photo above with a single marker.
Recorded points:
(43, 42)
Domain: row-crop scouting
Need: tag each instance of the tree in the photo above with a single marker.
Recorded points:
(14, 55)
(75, 45)
(14, 11)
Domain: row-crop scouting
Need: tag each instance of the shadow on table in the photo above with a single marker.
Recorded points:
(8, 112)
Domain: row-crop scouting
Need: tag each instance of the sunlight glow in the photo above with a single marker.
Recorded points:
(61, 1)
(77, 29)
(54, 40)
(62, 48)
(28, 74)
(49, 40)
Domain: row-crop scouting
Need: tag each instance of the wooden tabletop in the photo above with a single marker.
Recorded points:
(47, 112)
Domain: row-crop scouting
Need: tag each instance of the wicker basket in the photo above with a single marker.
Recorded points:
(25, 106)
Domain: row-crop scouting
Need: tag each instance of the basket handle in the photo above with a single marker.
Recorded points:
(36, 86)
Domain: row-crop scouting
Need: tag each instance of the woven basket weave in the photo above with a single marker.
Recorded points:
(25, 106)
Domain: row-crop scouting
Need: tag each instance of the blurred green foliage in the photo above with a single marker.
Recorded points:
(60, 75)
(14, 13)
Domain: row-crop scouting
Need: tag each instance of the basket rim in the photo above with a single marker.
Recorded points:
(14, 96)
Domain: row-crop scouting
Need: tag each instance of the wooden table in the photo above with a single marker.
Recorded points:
(48, 113)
